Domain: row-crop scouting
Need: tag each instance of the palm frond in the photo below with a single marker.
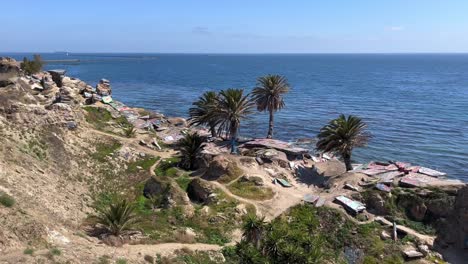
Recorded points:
(269, 91)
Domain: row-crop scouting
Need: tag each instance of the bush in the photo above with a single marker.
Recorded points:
(129, 131)
(28, 251)
(34, 66)
(55, 252)
(118, 217)
(6, 200)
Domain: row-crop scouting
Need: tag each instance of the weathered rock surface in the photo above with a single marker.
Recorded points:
(201, 191)
(103, 88)
(223, 167)
(455, 230)
(273, 156)
(330, 168)
(9, 68)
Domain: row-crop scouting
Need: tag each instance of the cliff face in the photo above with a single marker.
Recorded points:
(455, 231)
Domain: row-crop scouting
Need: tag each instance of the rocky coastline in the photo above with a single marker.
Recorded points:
(66, 144)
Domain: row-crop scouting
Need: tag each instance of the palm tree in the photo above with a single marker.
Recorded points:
(190, 145)
(118, 217)
(268, 95)
(253, 229)
(341, 135)
(200, 114)
(232, 107)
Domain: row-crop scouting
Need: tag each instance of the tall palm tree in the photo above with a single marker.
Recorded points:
(190, 145)
(341, 135)
(200, 112)
(268, 95)
(231, 108)
(254, 229)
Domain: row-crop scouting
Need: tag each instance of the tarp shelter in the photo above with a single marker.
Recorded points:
(106, 99)
(282, 182)
(383, 187)
(351, 205)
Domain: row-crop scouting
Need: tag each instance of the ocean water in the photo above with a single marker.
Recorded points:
(416, 106)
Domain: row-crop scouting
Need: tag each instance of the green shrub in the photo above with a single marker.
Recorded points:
(28, 251)
(6, 200)
(55, 252)
(249, 190)
(34, 66)
(121, 261)
(118, 217)
(105, 149)
(129, 131)
(183, 181)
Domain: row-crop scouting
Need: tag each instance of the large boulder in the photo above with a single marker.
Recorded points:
(376, 203)
(224, 168)
(330, 168)
(177, 121)
(154, 187)
(273, 156)
(9, 68)
(103, 88)
(201, 191)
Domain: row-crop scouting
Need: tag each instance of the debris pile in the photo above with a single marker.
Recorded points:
(404, 174)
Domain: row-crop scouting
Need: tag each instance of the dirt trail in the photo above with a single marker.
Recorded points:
(426, 239)
(133, 142)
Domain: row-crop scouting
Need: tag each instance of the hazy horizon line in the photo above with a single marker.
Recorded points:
(232, 53)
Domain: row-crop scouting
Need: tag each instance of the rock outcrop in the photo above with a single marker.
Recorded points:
(9, 68)
(103, 88)
(224, 168)
(455, 230)
(201, 191)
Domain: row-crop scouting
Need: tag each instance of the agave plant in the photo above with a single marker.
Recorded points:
(268, 95)
(201, 112)
(342, 135)
(118, 217)
(254, 229)
(129, 131)
(232, 107)
(190, 145)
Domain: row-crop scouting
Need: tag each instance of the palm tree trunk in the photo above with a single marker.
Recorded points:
(213, 130)
(270, 125)
(347, 161)
(233, 139)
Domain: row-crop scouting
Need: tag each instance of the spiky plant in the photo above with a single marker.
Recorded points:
(342, 135)
(201, 112)
(117, 217)
(233, 106)
(190, 146)
(129, 131)
(254, 229)
(268, 95)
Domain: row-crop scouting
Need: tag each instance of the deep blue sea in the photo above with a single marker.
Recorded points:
(416, 105)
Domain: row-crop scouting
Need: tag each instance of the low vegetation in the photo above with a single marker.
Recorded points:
(129, 131)
(249, 190)
(105, 149)
(117, 218)
(190, 146)
(312, 235)
(32, 67)
(6, 200)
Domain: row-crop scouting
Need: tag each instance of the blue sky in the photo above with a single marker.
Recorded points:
(225, 26)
